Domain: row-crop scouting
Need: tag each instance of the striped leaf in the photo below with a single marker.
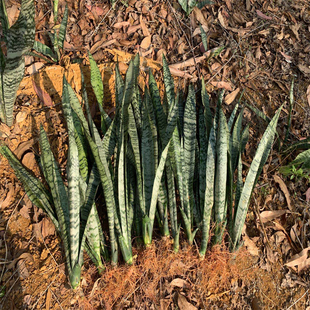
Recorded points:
(19, 39)
(81, 145)
(206, 104)
(73, 182)
(161, 119)
(96, 82)
(20, 36)
(169, 83)
(5, 25)
(102, 166)
(45, 50)
(302, 159)
(220, 203)
(35, 190)
(188, 5)
(209, 192)
(258, 162)
(189, 149)
(134, 140)
(204, 38)
(203, 149)
(11, 78)
(90, 223)
(235, 141)
(232, 117)
(148, 161)
(63, 28)
(119, 87)
(55, 10)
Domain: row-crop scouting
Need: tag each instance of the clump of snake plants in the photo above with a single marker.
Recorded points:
(205, 158)
(161, 162)
(18, 39)
(71, 208)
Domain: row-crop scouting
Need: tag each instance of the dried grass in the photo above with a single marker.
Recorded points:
(148, 279)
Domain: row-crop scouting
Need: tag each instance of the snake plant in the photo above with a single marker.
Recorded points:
(189, 5)
(57, 38)
(158, 159)
(71, 208)
(205, 156)
(19, 39)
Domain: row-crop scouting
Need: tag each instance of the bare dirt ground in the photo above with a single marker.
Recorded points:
(265, 45)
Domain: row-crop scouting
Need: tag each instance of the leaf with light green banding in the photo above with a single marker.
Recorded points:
(258, 162)
(220, 202)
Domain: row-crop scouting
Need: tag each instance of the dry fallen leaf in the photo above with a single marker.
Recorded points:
(300, 260)
(267, 216)
(10, 195)
(25, 256)
(304, 69)
(43, 95)
(145, 31)
(284, 190)
(222, 20)
(101, 44)
(146, 42)
(29, 160)
(294, 232)
(48, 300)
(35, 67)
(249, 243)
(47, 228)
(200, 17)
(308, 94)
(184, 304)
(4, 130)
(12, 14)
(22, 270)
(180, 73)
(287, 57)
(295, 28)
(262, 15)
(307, 193)
(179, 283)
(21, 116)
(121, 25)
(222, 84)
(232, 96)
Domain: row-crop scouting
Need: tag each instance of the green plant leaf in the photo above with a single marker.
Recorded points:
(209, 192)
(235, 141)
(45, 50)
(96, 82)
(73, 171)
(189, 150)
(169, 83)
(206, 104)
(20, 36)
(11, 78)
(258, 162)
(204, 38)
(220, 205)
(5, 25)
(62, 28)
(19, 39)
(35, 190)
(188, 5)
(55, 10)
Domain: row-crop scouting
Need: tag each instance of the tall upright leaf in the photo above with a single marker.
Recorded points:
(259, 160)
(220, 205)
